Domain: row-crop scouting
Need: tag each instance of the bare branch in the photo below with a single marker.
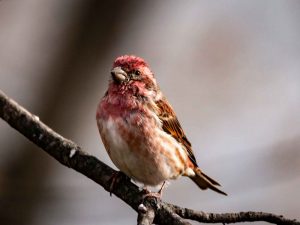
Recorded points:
(71, 155)
(146, 213)
(166, 213)
(231, 217)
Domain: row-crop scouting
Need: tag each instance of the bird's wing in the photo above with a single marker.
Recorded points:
(171, 125)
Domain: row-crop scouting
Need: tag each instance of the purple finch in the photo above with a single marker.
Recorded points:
(140, 130)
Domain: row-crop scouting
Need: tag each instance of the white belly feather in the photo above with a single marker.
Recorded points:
(147, 162)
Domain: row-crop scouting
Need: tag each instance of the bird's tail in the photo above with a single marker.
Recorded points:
(203, 181)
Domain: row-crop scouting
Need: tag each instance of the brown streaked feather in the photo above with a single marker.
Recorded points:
(171, 125)
(203, 181)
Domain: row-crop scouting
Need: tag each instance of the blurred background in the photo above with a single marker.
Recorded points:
(231, 70)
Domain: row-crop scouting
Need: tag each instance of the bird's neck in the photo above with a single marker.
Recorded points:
(120, 100)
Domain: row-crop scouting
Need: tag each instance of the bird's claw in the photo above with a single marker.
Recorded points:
(116, 177)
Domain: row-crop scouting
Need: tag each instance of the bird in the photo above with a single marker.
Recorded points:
(140, 130)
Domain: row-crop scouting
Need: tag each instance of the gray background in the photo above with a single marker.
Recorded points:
(230, 69)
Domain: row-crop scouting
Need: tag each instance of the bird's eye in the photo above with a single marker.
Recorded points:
(137, 72)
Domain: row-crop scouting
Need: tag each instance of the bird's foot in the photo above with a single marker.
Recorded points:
(115, 178)
(152, 198)
(149, 194)
(152, 195)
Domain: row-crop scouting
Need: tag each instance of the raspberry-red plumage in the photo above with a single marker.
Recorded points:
(140, 130)
(129, 62)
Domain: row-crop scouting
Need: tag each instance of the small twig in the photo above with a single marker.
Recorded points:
(71, 155)
(250, 216)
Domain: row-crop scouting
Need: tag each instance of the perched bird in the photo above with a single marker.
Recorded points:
(140, 130)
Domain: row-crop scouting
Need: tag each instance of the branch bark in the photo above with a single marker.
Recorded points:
(71, 155)
(146, 213)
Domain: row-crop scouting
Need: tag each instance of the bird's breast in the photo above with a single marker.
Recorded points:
(129, 149)
(139, 147)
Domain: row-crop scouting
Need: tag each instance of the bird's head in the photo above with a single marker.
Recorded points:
(132, 71)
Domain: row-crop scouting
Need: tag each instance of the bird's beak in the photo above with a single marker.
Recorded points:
(119, 75)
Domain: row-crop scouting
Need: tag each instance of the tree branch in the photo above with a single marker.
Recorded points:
(71, 155)
(146, 213)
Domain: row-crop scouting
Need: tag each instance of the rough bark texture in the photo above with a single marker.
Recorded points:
(71, 155)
